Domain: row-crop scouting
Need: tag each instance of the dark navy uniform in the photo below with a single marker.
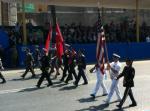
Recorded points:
(29, 62)
(37, 57)
(66, 66)
(128, 73)
(44, 68)
(1, 76)
(81, 68)
(72, 65)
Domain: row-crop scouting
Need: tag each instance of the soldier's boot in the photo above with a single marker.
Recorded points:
(3, 79)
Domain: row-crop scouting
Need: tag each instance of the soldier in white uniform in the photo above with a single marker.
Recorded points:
(114, 68)
(99, 82)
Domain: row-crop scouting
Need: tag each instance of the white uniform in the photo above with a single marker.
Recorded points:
(99, 83)
(114, 86)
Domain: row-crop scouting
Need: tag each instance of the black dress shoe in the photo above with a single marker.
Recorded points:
(132, 105)
(61, 80)
(75, 84)
(104, 94)
(49, 85)
(85, 83)
(33, 76)
(92, 95)
(38, 86)
(3, 82)
(66, 82)
(119, 106)
(22, 76)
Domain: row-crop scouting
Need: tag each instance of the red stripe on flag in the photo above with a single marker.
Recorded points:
(47, 44)
(100, 51)
(59, 42)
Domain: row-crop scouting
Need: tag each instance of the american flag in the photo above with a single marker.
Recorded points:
(100, 56)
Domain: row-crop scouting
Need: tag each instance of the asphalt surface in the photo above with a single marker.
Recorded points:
(22, 95)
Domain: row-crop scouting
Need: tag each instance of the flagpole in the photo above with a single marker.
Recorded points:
(98, 3)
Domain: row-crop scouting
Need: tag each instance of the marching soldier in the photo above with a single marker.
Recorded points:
(37, 57)
(65, 62)
(128, 73)
(100, 77)
(1, 76)
(45, 64)
(114, 68)
(81, 68)
(72, 65)
(29, 62)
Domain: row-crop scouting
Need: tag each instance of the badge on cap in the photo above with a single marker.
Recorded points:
(116, 55)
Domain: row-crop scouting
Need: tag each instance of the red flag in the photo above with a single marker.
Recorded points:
(47, 44)
(59, 42)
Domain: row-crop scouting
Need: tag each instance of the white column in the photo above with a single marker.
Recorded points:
(12, 14)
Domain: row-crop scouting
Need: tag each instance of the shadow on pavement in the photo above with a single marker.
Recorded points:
(84, 100)
(96, 108)
(21, 79)
(67, 88)
(122, 109)
(102, 108)
(59, 85)
(31, 89)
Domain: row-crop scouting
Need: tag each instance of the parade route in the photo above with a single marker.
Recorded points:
(22, 95)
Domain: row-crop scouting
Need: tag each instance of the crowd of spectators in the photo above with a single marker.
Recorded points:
(124, 31)
(114, 32)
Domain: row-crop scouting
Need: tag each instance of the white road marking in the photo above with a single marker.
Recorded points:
(14, 90)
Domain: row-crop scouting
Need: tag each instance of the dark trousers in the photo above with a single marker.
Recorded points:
(71, 71)
(27, 70)
(128, 91)
(2, 77)
(66, 68)
(44, 75)
(81, 74)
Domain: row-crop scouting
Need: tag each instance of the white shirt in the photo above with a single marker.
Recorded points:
(116, 66)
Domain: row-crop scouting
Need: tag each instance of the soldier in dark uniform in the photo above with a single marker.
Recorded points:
(128, 73)
(2, 68)
(81, 68)
(37, 56)
(72, 65)
(29, 62)
(65, 62)
(45, 64)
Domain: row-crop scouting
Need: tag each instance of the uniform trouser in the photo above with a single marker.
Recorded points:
(44, 75)
(37, 64)
(71, 71)
(27, 70)
(81, 74)
(2, 77)
(66, 68)
(128, 91)
(99, 83)
(114, 87)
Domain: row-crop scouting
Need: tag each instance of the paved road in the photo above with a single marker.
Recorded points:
(22, 95)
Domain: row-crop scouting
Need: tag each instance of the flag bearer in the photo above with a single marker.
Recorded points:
(100, 77)
(114, 68)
